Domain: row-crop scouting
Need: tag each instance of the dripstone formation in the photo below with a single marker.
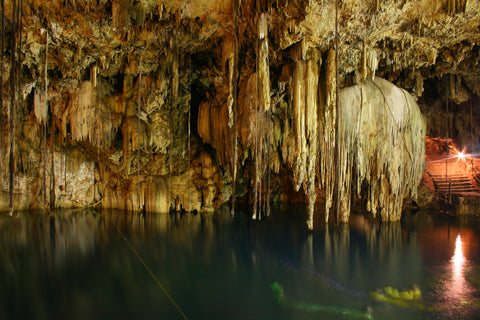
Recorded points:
(187, 105)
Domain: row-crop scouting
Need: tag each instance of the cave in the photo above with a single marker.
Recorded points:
(191, 107)
(345, 110)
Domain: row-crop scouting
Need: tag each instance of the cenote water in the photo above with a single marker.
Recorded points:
(79, 265)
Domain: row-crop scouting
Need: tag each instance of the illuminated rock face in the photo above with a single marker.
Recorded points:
(169, 105)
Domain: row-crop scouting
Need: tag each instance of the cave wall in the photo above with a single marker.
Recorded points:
(146, 105)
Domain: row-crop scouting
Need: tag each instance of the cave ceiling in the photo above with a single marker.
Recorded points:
(406, 37)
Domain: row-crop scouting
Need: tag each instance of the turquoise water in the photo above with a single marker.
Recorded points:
(78, 265)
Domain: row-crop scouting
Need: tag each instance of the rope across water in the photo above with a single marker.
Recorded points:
(150, 272)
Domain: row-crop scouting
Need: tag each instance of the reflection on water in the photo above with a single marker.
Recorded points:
(50, 237)
(458, 260)
(455, 296)
(456, 289)
(76, 265)
(452, 253)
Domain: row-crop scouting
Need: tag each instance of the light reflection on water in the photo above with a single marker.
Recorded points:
(455, 296)
(76, 265)
(458, 260)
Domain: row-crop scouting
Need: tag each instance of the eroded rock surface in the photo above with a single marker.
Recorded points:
(164, 105)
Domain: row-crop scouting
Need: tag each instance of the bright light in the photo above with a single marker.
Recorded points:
(460, 154)
(458, 257)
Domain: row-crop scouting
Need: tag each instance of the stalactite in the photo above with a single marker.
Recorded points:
(39, 106)
(419, 84)
(364, 62)
(52, 168)
(180, 133)
(328, 142)
(12, 105)
(372, 63)
(18, 64)
(369, 63)
(87, 122)
(64, 172)
(301, 148)
(2, 49)
(450, 6)
(456, 6)
(257, 209)
(311, 112)
(256, 179)
(337, 141)
(93, 77)
(52, 137)
(93, 74)
(189, 125)
(44, 117)
(263, 63)
(19, 49)
(234, 66)
(139, 110)
(265, 102)
(268, 164)
(299, 167)
(173, 101)
(262, 108)
(344, 162)
(228, 70)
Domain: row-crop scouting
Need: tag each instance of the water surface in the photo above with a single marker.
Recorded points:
(79, 265)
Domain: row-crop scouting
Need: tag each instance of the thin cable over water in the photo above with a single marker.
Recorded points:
(150, 272)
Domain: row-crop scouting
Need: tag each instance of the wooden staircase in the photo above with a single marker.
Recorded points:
(450, 174)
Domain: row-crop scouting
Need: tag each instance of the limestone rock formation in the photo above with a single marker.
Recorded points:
(185, 105)
(381, 142)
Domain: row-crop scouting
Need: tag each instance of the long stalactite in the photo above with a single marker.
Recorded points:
(11, 130)
(2, 49)
(234, 143)
(262, 110)
(138, 126)
(45, 118)
(338, 139)
(329, 133)
(311, 130)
